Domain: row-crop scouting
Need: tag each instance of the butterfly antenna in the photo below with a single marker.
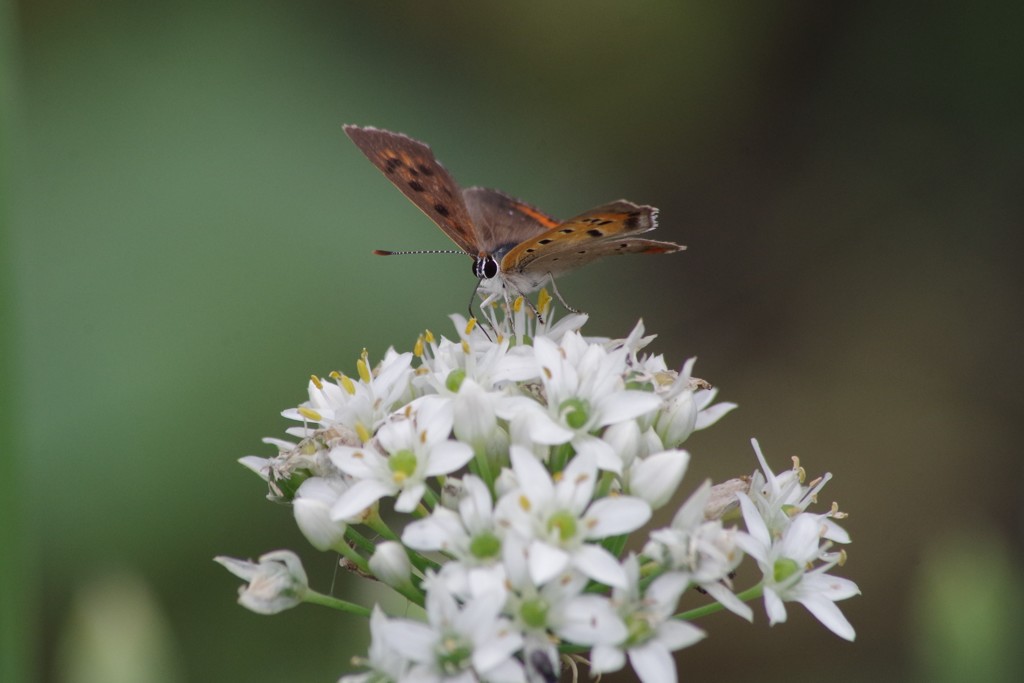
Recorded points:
(384, 252)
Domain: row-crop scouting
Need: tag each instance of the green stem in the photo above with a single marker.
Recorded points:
(353, 556)
(315, 598)
(561, 457)
(746, 596)
(483, 467)
(364, 544)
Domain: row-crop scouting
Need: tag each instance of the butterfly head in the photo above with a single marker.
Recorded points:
(485, 267)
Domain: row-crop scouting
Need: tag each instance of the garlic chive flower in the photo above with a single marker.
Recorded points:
(494, 478)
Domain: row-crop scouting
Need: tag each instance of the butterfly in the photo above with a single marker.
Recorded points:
(515, 247)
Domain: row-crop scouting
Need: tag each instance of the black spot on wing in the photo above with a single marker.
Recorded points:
(415, 185)
(426, 170)
(442, 209)
(594, 232)
(545, 241)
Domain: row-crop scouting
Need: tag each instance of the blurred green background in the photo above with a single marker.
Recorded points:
(187, 237)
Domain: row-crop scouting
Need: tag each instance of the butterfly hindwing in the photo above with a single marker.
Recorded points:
(503, 221)
(411, 166)
(605, 231)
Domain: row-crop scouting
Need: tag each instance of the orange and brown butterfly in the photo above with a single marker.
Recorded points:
(515, 247)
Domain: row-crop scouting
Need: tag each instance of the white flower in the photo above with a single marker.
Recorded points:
(476, 420)
(652, 632)
(557, 519)
(784, 562)
(312, 509)
(584, 391)
(386, 664)
(414, 448)
(276, 583)
(703, 551)
(656, 477)
(390, 563)
(687, 406)
(558, 606)
(459, 643)
(779, 498)
(470, 536)
(362, 405)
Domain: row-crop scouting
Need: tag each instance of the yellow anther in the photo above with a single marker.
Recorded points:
(362, 432)
(422, 370)
(465, 346)
(524, 503)
(470, 324)
(310, 414)
(428, 337)
(517, 305)
(335, 375)
(543, 300)
(417, 348)
(316, 382)
(363, 368)
(348, 385)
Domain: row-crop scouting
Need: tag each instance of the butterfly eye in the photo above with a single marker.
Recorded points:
(485, 267)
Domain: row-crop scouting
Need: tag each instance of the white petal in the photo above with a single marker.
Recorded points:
(577, 484)
(755, 523)
(605, 658)
(652, 663)
(600, 450)
(713, 414)
(410, 497)
(357, 462)
(626, 405)
(590, 620)
(441, 531)
(774, 606)
(729, 600)
(615, 515)
(600, 565)
(830, 615)
(413, 639)
(447, 456)
(664, 592)
(546, 562)
(677, 634)
(534, 480)
(362, 495)
(656, 477)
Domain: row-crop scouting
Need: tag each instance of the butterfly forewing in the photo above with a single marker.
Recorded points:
(501, 221)
(604, 231)
(411, 166)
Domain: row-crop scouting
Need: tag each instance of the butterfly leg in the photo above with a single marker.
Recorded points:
(472, 297)
(554, 288)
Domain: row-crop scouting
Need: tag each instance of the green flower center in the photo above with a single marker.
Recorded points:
(564, 523)
(784, 569)
(639, 628)
(402, 464)
(454, 654)
(454, 380)
(575, 411)
(485, 545)
(534, 613)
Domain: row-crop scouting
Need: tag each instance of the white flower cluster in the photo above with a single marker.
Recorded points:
(520, 459)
